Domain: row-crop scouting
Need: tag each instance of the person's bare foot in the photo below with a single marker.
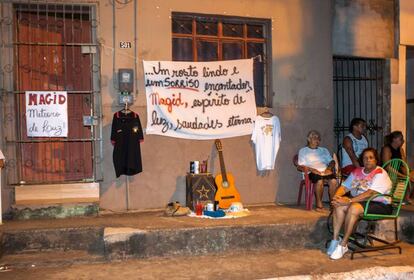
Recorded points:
(320, 209)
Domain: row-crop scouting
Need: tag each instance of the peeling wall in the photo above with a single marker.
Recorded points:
(364, 28)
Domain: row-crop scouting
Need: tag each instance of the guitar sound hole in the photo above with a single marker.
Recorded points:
(225, 184)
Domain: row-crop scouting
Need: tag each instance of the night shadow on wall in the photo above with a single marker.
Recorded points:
(180, 191)
(211, 164)
(108, 176)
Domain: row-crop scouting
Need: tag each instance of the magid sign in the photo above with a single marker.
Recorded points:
(47, 113)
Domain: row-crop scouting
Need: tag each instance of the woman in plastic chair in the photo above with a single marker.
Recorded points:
(320, 164)
(392, 149)
(362, 183)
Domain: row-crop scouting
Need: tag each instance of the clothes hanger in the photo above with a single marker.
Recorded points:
(266, 113)
(126, 110)
(258, 58)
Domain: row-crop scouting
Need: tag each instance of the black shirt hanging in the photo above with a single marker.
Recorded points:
(126, 135)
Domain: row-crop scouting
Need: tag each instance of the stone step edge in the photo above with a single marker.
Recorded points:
(105, 240)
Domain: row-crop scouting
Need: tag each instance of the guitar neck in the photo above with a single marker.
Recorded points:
(222, 167)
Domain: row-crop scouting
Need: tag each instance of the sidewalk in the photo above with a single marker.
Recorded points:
(274, 241)
(241, 265)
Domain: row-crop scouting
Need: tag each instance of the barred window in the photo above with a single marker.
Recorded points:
(198, 37)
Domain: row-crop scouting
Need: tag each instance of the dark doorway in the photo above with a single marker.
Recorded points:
(410, 105)
(359, 92)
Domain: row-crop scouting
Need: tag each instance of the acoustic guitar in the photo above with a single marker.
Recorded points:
(226, 191)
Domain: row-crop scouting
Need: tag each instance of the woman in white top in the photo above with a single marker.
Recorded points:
(319, 162)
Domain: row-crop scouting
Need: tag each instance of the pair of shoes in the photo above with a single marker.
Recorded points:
(407, 202)
(339, 252)
(175, 209)
(5, 268)
(332, 246)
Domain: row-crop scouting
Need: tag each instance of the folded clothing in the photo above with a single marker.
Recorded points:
(216, 214)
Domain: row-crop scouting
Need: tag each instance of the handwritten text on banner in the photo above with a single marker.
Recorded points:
(47, 113)
(200, 100)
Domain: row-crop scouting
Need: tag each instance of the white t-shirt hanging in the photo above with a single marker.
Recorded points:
(266, 138)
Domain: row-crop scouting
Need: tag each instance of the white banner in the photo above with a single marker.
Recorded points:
(200, 100)
(47, 113)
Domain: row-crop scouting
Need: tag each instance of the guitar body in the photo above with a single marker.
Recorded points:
(226, 193)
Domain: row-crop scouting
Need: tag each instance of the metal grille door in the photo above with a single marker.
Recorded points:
(53, 49)
(359, 92)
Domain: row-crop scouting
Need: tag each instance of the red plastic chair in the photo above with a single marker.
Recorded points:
(306, 182)
(309, 186)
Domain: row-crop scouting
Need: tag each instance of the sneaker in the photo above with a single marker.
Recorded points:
(339, 252)
(332, 246)
(407, 202)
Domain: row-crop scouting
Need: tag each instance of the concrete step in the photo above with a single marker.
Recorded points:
(125, 242)
(49, 259)
(143, 235)
(198, 241)
(55, 239)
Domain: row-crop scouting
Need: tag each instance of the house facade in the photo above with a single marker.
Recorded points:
(318, 64)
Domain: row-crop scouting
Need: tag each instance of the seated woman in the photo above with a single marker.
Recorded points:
(353, 145)
(393, 148)
(362, 183)
(320, 164)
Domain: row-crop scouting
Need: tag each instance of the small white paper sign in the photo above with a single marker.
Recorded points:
(47, 113)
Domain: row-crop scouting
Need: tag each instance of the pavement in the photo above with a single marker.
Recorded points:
(240, 265)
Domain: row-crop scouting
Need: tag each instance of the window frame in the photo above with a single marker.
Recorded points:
(266, 40)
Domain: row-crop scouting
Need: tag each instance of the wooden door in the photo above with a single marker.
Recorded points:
(49, 58)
